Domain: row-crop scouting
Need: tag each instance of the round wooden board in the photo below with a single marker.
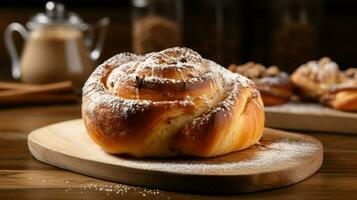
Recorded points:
(281, 159)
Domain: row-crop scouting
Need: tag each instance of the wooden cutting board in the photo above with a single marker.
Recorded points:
(280, 159)
(310, 116)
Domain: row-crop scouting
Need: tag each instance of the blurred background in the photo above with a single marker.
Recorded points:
(282, 32)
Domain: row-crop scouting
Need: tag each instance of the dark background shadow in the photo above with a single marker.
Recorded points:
(248, 28)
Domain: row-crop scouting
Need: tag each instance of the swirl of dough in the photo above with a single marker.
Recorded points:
(169, 103)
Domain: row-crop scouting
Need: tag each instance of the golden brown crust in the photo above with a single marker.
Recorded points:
(170, 103)
(314, 77)
(275, 86)
(343, 95)
(323, 81)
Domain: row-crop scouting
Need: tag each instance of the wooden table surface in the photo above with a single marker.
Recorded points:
(22, 177)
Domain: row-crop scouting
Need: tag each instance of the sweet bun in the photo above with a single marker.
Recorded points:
(170, 103)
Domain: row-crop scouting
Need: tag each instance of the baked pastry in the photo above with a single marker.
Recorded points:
(343, 95)
(314, 78)
(170, 103)
(275, 86)
(323, 81)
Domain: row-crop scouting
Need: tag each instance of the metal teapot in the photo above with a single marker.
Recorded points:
(58, 46)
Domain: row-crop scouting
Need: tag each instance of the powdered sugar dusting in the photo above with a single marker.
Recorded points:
(172, 58)
(323, 70)
(281, 153)
(126, 69)
(281, 79)
(234, 82)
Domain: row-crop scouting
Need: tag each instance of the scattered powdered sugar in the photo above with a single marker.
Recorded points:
(281, 79)
(177, 57)
(295, 146)
(282, 153)
(186, 102)
(163, 80)
(124, 106)
(113, 188)
(233, 83)
(228, 75)
(322, 70)
(118, 189)
(129, 105)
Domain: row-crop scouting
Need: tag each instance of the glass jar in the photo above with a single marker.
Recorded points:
(213, 29)
(156, 25)
(294, 35)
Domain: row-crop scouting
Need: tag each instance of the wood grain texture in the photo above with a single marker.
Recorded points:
(22, 176)
(58, 87)
(25, 118)
(68, 146)
(311, 117)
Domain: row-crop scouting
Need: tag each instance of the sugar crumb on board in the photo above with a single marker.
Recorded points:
(119, 189)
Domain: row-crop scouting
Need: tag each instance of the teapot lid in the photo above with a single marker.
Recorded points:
(55, 15)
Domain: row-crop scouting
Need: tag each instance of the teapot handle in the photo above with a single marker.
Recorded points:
(103, 25)
(9, 42)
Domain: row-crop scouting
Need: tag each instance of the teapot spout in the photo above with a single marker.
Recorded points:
(103, 26)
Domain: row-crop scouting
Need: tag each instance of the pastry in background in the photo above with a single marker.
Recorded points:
(274, 85)
(171, 103)
(343, 95)
(323, 81)
(314, 78)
